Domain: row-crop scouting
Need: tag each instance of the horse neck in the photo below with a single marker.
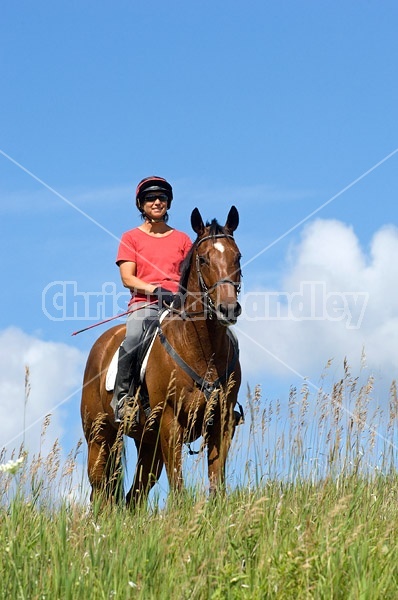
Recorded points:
(199, 327)
(193, 302)
(202, 343)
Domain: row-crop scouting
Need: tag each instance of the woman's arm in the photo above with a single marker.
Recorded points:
(127, 273)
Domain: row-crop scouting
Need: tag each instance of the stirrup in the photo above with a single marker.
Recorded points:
(123, 404)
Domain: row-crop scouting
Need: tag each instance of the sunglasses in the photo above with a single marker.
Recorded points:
(153, 197)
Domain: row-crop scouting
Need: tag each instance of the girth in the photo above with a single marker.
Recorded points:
(205, 386)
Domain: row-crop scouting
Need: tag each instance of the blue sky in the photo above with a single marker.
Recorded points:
(276, 107)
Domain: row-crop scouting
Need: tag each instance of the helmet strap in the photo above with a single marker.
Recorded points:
(150, 220)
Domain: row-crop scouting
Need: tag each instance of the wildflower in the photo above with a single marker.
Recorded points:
(12, 466)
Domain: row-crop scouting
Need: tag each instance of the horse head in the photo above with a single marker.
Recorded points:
(217, 260)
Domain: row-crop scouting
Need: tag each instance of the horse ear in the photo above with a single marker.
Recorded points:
(197, 222)
(232, 219)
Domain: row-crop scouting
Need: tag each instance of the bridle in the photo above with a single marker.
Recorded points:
(208, 303)
(206, 290)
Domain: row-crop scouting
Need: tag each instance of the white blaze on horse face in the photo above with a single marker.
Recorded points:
(219, 246)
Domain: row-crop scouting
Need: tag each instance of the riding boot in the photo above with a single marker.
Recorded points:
(123, 395)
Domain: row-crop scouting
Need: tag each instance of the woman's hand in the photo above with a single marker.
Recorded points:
(165, 297)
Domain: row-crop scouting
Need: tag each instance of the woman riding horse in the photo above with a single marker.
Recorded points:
(192, 374)
(149, 257)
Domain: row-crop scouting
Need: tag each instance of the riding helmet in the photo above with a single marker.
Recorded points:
(153, 184)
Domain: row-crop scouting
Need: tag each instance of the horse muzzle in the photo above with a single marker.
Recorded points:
(228, 312)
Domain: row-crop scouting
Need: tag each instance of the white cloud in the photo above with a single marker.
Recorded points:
(354, 295)
(55, 378)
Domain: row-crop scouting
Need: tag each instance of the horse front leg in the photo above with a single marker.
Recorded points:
(171, 438)
(147, 473)
(218, 445)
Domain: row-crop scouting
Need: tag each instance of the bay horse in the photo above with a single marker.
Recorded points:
(191, 380)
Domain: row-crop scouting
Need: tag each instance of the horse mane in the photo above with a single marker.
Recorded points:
(214, 228)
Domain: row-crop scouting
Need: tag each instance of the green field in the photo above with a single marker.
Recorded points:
(312, 513)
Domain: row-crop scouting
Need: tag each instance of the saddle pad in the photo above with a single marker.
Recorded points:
(112, 369)
(111, 373)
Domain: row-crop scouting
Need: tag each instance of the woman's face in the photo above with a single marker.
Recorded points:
(154, 204)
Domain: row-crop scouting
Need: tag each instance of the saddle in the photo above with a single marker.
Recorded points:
(150, 328)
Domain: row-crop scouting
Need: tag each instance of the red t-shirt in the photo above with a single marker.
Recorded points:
(157, 259)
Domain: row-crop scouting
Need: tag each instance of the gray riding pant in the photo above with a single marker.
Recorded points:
(135, 325)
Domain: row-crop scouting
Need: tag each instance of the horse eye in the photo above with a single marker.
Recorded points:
(203, 260)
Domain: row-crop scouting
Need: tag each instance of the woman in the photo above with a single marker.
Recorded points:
(149, 259)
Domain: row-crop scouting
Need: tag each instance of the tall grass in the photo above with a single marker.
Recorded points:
(311, 512)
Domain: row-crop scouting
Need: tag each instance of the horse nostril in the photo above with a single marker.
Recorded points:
(230, 311)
